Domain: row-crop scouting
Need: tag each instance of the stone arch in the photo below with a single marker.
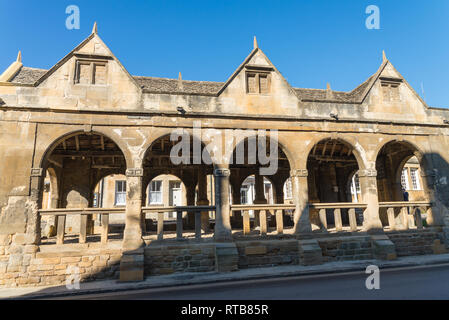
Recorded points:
(357, 150)
(292, 158)
(389, 176)
(55, 141)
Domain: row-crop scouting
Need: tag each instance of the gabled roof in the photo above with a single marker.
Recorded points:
(165, 85)
(35, 76)
(27, 75)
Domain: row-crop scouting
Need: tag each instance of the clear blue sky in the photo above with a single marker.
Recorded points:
(310, 42)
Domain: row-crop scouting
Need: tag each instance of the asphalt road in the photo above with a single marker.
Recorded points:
(430, 282)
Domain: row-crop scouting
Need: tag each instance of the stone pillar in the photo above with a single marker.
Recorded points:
(131, 265)
(368, 186)
(259, 197)
(236, 199)
(222, 215)
(33, 229)
(436, 212)
(202, 198)
(301, 200)
(190, 200)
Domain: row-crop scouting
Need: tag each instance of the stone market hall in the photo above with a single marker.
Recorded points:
(366, 171)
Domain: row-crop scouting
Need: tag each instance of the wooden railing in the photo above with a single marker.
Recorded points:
(61, 215)
(405, 209)
(262, 210)
(160, 211)
(337, 210)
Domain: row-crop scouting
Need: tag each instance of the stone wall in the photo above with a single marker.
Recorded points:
(23, 264)
(417, 242)
(346, 248)
(26, 267)
(170, 258)
(267, 253)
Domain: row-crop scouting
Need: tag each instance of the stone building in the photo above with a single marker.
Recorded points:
(87, 118)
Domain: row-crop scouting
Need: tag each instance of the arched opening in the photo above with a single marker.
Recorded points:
(332, 167)
(175, 177)
(255, 180)
(399, 166)
(75, 164)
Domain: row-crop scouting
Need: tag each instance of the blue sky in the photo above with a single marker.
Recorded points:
(310, 42)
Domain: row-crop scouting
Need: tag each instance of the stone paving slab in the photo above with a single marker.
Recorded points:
(179, 279)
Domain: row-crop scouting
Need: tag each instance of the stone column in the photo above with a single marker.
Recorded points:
(202, 198)
(131, 265)
(222, 215)
(301, 200)
(368, 186)
(190, 200)
(33, 229)
(259, 197)
(237, 215)
(435, 213)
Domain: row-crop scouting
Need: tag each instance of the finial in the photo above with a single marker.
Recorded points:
(384, 56)
(329, 93)
(19, 56)
(255, 43)
(180, 86)
(95, 29)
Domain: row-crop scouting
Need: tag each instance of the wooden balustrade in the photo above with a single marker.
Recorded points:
(160, 211)
(405, 209)
(337, 210)
(275, 210)
(61, 215)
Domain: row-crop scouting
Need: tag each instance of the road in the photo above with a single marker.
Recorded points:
(429, 282)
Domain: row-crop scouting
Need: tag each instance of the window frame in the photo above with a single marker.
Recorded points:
(150, 191)
(117, 183)
(92, 63)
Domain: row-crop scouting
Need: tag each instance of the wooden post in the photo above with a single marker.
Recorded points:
(263, 222)
(418, 218)
(198, 225)
(160, 225)
(323, 219)
(246, 222)
(338, 222)
(279, 222)
(83, 228)
(352, 220)
(178, 225)
(391, 219)
(411, 217)
(404, 216)
(61, 230)
(104, 227)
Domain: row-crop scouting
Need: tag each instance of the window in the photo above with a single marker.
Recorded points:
(390, 89)
(415, 179)
(288, 189)
(155, 192)
(258, 82)
(355, 185)
(244, 195)
(90, 72)
(120, 193)
(404, 179)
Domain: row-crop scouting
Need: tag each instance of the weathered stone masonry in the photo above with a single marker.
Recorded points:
(87, 117)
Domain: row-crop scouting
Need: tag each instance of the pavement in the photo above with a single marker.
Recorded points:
(184, 279)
